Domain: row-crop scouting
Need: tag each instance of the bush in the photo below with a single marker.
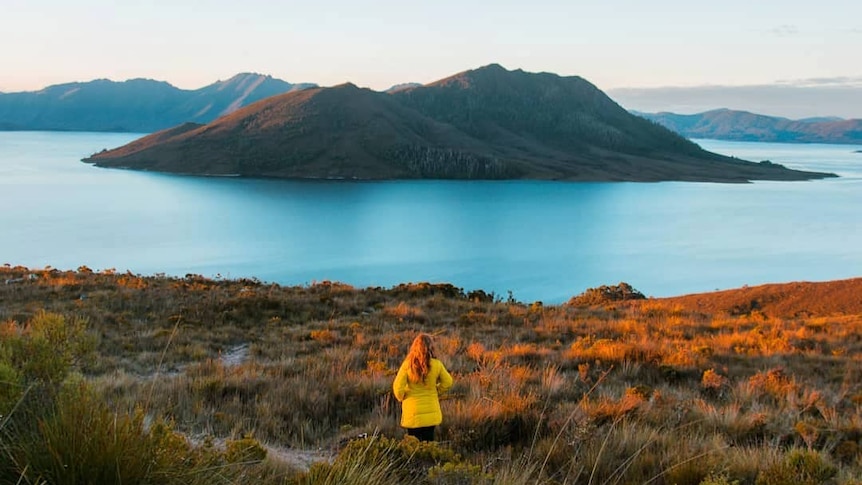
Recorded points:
(373, 460)
(378, 459)
(45, 348)
(606, 294)
(83, 441)
(718, 479)
(799, 467)
(245, 450)
(458, 474)
(11, 387)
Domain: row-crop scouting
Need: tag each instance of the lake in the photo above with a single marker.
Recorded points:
(542, 241)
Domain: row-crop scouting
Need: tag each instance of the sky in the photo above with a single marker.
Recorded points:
(376, 44)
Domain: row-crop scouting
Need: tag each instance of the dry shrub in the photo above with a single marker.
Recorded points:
(610, 351)
(404, 312)
(476, 351)
(325, 336)
(775, 383)
(553, 381)
(484, 423)
(713, 384)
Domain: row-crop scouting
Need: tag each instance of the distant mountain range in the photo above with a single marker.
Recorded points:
(137, 105)
(794, 100)
(146, 106)
(725, 124)
(487, 123)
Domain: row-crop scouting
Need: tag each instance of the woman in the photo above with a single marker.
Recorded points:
(420, 380)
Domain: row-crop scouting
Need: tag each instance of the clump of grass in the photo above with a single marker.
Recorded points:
(377, 459)
(803, 467)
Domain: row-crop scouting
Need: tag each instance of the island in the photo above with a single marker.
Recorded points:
(486, 123)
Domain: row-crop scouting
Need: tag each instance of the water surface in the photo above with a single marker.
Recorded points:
(540, 240)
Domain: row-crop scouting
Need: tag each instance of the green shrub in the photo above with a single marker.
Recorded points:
(11, 387)
(245, 450)
(606, 294)
(458, 474)
(46, 347)
(718, 479)
(799, 467)
(376, 458)
(81, 440)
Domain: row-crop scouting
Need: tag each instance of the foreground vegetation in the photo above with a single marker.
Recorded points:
(118, 378)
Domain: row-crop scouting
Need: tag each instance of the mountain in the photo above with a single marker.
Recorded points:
(136, 105)
(487, 123)
(337, 132)
(814, 98)
(725, 124)
(402, 87)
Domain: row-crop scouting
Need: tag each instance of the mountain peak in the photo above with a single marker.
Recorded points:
(345, 85)
(493, 67)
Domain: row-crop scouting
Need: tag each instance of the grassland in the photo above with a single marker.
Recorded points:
(155, 379)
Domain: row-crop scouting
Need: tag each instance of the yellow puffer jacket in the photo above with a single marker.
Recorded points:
(420, 406)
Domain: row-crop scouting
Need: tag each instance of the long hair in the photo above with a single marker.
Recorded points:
(419, 358)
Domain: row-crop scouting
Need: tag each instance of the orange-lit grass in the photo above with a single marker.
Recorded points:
(676, 384)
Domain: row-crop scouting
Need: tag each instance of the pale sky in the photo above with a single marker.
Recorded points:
(612, 43)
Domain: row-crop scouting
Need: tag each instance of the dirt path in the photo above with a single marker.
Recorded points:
(299, 459)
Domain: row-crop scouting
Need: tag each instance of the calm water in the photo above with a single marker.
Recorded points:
(541, 240)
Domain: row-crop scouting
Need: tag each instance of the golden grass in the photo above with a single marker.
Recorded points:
(626, 392)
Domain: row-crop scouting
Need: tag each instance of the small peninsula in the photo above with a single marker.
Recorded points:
(486, 123)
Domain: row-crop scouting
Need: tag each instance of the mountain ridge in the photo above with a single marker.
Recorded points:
(738, 125)
(777, 99)
(135, 105)
(485, 123)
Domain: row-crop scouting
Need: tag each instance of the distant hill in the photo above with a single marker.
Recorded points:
(816, 98)
(725, 124)
(784, 300)
(487, 123)
(137, 105)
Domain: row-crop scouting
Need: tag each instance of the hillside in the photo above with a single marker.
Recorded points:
(258, 375)
(487, 123)
(338, 132)
(137, 105)
(724, 124)
(786, 300)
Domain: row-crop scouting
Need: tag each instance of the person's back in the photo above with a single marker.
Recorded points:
(418, 384)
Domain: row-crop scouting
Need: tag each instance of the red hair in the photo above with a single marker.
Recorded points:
(419, 358)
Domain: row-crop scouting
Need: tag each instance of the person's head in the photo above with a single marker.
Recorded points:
(419, 358)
